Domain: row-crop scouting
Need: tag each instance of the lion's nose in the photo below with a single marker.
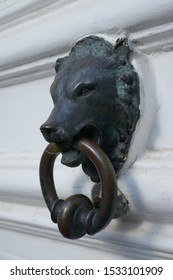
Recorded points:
(46, 130)
(55, 133)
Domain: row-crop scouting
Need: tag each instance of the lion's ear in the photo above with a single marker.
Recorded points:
(122, 49)
(60, 62)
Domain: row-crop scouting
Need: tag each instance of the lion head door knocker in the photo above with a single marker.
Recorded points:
(96, 108)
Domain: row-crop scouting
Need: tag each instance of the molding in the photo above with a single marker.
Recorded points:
(27, 73)
(25, 160)
(35, 37)
(33, 225)
(20, 184)
(153, 40)
(148, 41)
(39, 69)
(18, 12)
(123, 239)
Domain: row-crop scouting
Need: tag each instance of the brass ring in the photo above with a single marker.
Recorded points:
(77, 215)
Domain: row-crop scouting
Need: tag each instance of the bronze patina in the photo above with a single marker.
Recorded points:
(96, 98)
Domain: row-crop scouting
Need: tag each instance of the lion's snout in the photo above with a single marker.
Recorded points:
(55, 134)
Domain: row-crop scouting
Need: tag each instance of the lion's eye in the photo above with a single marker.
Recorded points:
(83, 90)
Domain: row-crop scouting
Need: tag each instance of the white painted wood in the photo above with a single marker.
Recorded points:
(33, 34)
(54, 31)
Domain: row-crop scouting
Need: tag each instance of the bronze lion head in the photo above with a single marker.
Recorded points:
(96, 95)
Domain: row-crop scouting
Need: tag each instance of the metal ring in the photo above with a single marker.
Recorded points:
(76, 215)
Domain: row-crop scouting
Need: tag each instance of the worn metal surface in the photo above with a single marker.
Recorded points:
(78, 215)
(96, 98)
(96, 95)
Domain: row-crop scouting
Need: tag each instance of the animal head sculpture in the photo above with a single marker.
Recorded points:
(96, 95)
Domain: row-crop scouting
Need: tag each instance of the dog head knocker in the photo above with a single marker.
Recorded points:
(96, 95)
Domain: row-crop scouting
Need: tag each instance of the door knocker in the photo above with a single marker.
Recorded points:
(96, 108)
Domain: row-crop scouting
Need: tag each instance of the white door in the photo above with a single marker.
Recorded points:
(33, 35)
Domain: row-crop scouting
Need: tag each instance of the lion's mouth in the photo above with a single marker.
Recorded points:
(72, 157)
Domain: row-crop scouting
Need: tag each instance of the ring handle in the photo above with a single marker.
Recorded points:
(77, 215)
